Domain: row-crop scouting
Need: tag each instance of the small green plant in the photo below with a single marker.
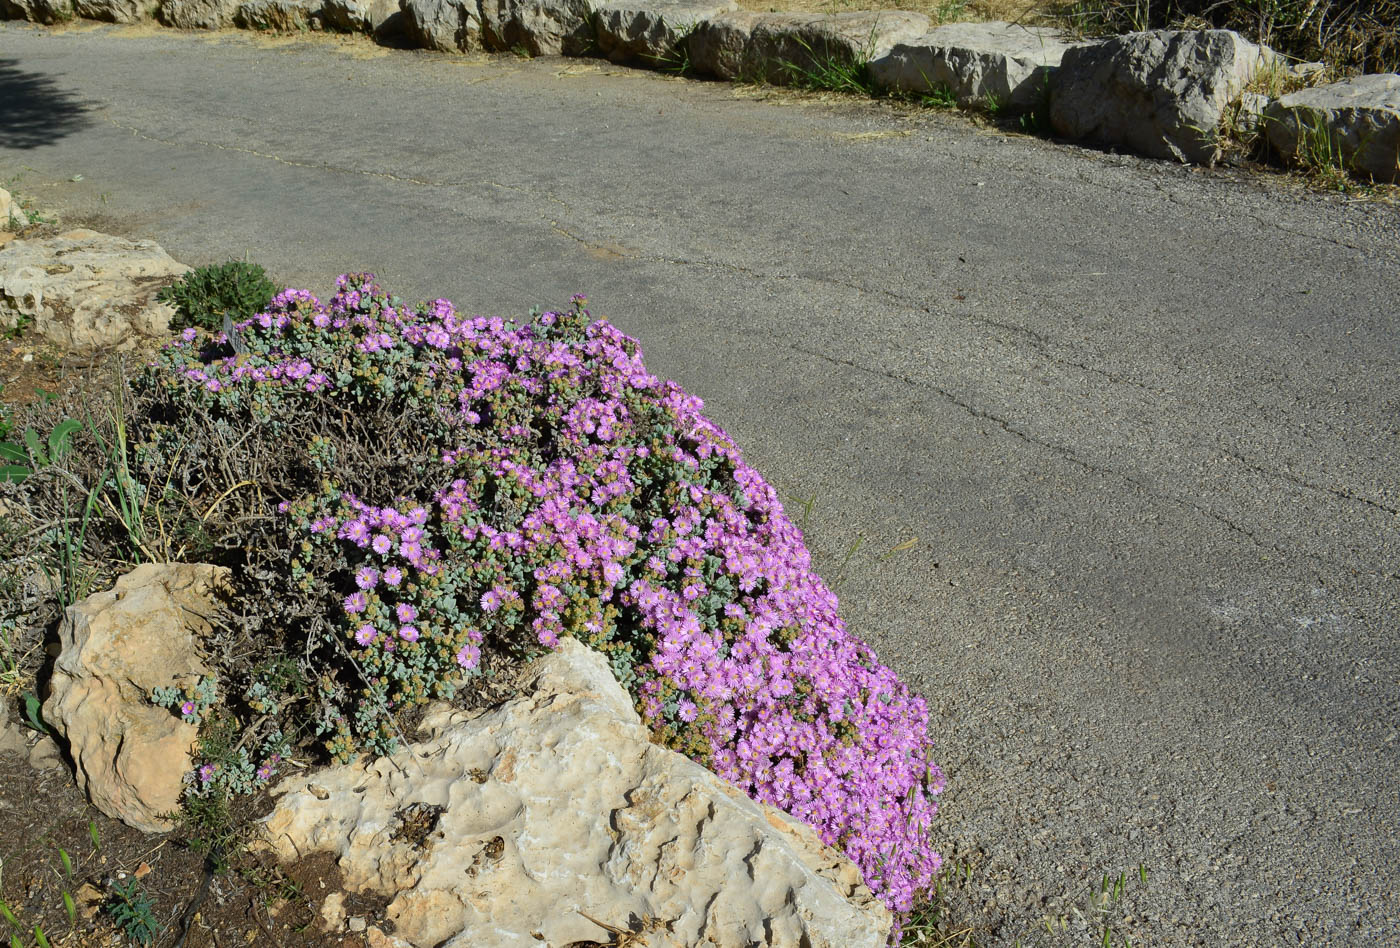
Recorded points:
(676, 60)
(830, 71)
(1319, 154)
(19, 460)
(950, 10)
(32, 713)
(205, 295)
(133, 910)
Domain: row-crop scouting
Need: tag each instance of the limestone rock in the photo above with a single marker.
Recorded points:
(45, 755)
(11, 215)
(648, 31)
(38, 11)
(11, 736)
(86, 290)
(771, 46)
(977, 62)
(198, 14)
(362, 16)
(520, 825)
(1161, 93)
(278, 16)
(540, 27)
(1251, 111)
(447, 25)
(1360, 118)
(116, 11)
(117, 646)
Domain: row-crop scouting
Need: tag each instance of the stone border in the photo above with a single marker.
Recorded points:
(1162, 93)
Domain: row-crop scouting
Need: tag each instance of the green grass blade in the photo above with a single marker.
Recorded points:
(9, 916)
(92, 832)
(67, 863)
(72, 909)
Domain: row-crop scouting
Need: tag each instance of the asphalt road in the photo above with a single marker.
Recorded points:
(1140, 421)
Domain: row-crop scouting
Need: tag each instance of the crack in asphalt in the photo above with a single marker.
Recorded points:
(1039, 341)
(1058, 450)
(1292, 478)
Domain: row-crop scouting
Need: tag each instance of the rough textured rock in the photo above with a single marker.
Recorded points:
(1361, 119)
(504, 828)
(770, 46)
(1160, 93)
(198, 14)
(117, 646)
(116, 11)
(86, 290)
(977, 62)
(648, 31)
(37, 11)
(540, 27)
(363, 16)
(446, 25)
(11, 216)
(280, 16)
(11, 736)
(45, 755)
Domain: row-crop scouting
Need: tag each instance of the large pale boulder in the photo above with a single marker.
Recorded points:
(198, 14)
(446, 25)
(12, 216)
(362, 16)
(539, 27)
(553, 815)
(978, 63)
(775, 47)
(116, 11)
(1161, 93)
(85, 290)
(278, 16)
(38, 11)
(1357, 120)
(649, 31)
(116, 647)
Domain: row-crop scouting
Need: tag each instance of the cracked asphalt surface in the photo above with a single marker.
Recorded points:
(1140, 422)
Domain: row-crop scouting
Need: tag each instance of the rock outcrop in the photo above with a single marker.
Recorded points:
(12, 216)
(198, 14)
(279, 16)
(449, 26)
(538, 27)
(1161, 93)
(375, 17)
(650, 31)
(779, 47)
(1356, 122)
(38, 11)
(116, 647)
(552, 816)
(977, 63)
(84, 290)
(116, 11)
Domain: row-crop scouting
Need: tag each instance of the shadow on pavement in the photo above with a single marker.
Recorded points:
(33, 110)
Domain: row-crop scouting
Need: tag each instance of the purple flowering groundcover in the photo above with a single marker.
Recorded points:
(566, 491)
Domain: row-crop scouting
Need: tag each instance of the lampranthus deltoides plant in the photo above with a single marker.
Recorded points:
(559, 489)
